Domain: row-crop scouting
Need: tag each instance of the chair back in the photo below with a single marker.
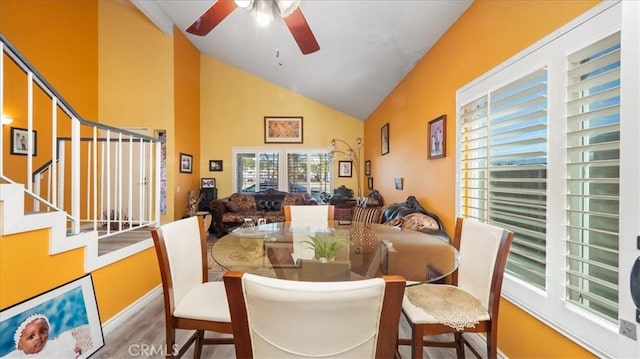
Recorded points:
(274, 318)
(181, 250)
(309, 215)
(484, 249)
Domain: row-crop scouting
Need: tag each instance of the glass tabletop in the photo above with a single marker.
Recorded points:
(362, 251)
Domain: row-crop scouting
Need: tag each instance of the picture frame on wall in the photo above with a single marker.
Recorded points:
(384, 139)
(69, 313)
(367, 168)
(399, 183)
(437, 137)
(207, 183)
(370, 183)
(345, 168)
(284, 129)
(186, 163)
(19, 142)
(215, 165)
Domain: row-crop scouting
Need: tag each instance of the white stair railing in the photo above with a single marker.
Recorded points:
(104, 178)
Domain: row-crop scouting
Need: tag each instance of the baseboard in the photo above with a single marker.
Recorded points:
(119, 319)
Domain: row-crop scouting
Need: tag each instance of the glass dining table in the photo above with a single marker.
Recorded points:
(284, 250)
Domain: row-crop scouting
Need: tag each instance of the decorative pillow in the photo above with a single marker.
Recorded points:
(367, 214)
(419, 221)
(396, 222)
(245, 202)
(232, 206)
(292, 199)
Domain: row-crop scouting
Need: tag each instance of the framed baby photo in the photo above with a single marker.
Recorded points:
(64, 320)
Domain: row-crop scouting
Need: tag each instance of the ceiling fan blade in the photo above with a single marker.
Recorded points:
(301, 32)
(212, 17)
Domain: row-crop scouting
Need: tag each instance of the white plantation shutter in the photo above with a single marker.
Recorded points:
(593, 168)
(503, 168)
(548, 147)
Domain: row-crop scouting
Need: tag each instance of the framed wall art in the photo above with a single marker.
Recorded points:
(67, 316)
(215, 165)
(436, 133)
(370, 183)
(345, 168)
(367, 168)
(186, 163)
(19, 141)
(207, 183)
(384, 139)
(283, 129)
(399, 183)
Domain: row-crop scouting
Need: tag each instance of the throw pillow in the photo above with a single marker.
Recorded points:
(232, 206)
(396, 222)
(419, 221)
(367, 214)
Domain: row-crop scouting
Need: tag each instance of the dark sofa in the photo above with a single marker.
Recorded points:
(231, 211)
(410, 214)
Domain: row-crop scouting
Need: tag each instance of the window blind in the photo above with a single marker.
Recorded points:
(503, 168)
(593, 169)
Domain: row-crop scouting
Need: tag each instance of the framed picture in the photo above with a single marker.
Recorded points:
(436, 132)
(19, 141)
(384, 139)
(207, 183)
(398, 181)
(283, 130)
(367, 168)
(345, 168)
(370, 183)
(67, 317)
(215, 165)
(186, 163)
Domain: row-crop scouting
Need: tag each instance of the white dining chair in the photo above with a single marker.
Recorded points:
(275, 318)
(309, 215)
(191, 302)
(471, 302)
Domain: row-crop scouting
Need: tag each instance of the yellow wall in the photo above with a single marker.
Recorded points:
(233, 107)
(187, 117)
(488, 33)
(136, 77)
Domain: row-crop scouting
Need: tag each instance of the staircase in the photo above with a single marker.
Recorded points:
(88, 182)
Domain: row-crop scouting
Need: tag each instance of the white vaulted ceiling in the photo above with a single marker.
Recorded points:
(366, 46)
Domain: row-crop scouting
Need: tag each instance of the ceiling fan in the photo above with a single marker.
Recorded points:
(288, 9)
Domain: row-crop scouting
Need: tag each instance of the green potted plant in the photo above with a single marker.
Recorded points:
(325, 247)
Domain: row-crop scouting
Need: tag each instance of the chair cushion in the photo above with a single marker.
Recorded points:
(367, 214)
(443, 304)
(207, 301)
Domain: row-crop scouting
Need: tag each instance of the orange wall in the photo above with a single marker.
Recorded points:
(488, 33)
(187, 117)
(61, 39)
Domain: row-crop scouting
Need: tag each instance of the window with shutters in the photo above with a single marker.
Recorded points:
(302, 170)
(593, 170)
(541, 152)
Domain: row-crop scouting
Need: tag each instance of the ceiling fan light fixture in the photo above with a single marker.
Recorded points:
(264, 13)
(245, 4)
(286, 7)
